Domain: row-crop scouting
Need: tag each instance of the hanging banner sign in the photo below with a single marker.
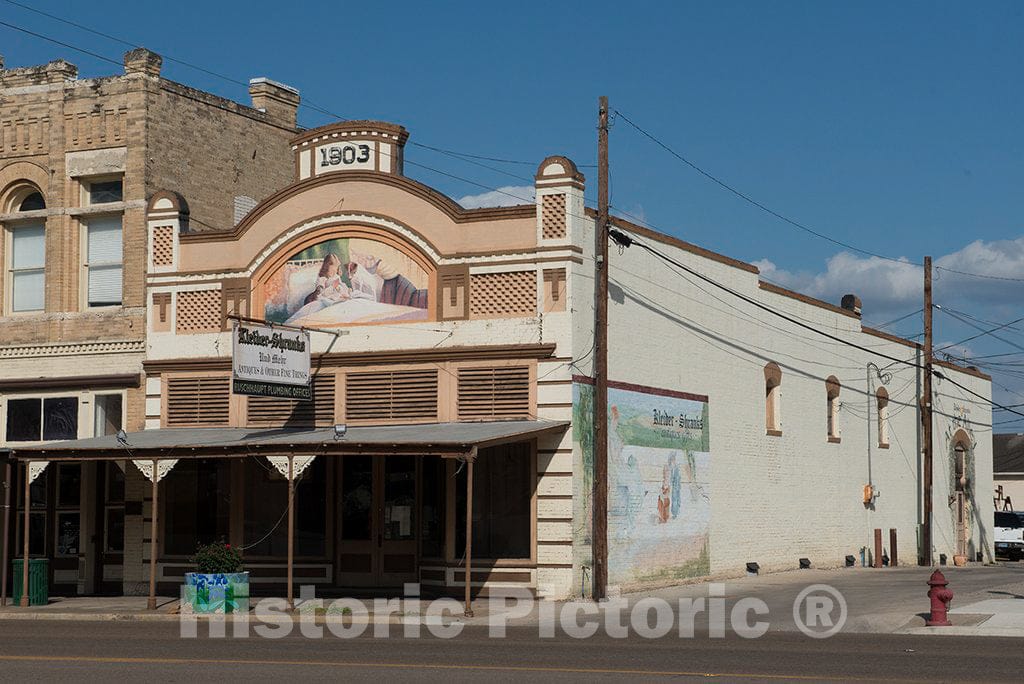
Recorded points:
(270, 362)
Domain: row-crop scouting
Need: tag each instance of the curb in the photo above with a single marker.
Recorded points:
(427, 621)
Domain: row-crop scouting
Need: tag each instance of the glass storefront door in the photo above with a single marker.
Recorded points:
(377, 543)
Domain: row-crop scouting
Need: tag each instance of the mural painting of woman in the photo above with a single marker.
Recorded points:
(330, 289)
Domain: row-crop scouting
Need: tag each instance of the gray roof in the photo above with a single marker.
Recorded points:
(1007, 453)
(185, 442)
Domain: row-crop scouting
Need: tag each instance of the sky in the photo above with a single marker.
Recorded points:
(895, 128)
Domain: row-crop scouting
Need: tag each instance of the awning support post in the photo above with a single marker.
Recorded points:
(291, 530)
(24, 538)
(470, 457)
(151, 604)
(7, 532)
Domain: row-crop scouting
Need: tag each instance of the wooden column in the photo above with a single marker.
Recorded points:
(24, 546)
(151, 604)
(7, 531)
(469, 534)
(291, 530)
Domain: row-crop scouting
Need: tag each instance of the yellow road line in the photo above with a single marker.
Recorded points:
(439, 666)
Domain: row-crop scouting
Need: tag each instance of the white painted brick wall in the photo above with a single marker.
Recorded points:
(776, 499)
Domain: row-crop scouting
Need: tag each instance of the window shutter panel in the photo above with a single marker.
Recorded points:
(391, 395)
(278, 412)
(492, 393)
(198, 401)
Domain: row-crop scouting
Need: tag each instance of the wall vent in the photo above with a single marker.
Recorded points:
(278, 412)
(393, 395)
(494, 393)
(198, 401)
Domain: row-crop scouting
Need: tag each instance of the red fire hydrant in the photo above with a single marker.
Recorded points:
(940, 597)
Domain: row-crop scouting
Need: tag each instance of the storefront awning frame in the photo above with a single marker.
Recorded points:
(461, 440)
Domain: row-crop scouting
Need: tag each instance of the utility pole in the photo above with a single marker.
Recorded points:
(599, 541)
(926, 417)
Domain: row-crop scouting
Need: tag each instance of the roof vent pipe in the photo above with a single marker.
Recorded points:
(851, 302)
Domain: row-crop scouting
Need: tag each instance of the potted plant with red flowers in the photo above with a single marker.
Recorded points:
(219, 585)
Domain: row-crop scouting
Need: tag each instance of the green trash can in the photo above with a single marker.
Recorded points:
(38, 581)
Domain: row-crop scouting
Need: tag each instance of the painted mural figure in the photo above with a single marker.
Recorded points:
(663, 496)
(656, 531)
(347, 280)
(677, 485)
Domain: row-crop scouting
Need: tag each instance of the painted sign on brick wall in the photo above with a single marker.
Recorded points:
(659, 496)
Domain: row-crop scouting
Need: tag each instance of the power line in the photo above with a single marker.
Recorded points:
(751, 200)
(978, 275)
(897, 320)
(983, 332)
(465, 156)
(940, 375)
(782, 217)
(626, 240)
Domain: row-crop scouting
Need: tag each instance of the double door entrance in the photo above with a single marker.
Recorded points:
(379, 503)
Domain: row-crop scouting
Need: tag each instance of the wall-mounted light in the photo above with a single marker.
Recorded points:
(752, 568)
(339, 430)
(805, 563)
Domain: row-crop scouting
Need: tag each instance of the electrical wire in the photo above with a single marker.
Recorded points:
(983, 332)
(786, 219)
(627, 240)
(465, 156)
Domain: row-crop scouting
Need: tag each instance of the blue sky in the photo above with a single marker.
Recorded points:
(895, 127)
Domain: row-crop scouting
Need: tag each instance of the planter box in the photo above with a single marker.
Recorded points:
(215, 593)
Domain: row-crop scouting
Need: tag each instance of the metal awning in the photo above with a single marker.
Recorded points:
(443, 439)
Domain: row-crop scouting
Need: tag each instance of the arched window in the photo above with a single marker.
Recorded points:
(32, 202)
(882, 402)
(832, 388)
(25, 259)
(772, 403)
(22, 196)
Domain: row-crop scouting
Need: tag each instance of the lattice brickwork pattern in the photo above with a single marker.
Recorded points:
(198, 312)
(552, 217)
(163, 246)
(503, 294)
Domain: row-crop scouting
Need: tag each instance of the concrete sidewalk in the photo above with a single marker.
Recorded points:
(988, 600)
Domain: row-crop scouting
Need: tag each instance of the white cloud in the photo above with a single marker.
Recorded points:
(887, 287)
(505, 196)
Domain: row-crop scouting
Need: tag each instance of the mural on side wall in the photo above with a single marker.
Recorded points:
(347, 280)
(659, 497)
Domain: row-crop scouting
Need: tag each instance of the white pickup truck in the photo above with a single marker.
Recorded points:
(1009, 533)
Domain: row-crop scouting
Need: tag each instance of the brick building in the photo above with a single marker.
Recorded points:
(450, 422)
(79, 159)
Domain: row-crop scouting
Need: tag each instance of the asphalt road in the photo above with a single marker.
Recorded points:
(153, 651)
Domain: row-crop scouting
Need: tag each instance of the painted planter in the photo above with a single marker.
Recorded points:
(960, 561)
(216, 593)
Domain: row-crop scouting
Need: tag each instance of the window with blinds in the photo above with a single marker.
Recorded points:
(26, 267)
(198, 401)
(494, 393)
(277, 412)
(103, 261)
(391, 395)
